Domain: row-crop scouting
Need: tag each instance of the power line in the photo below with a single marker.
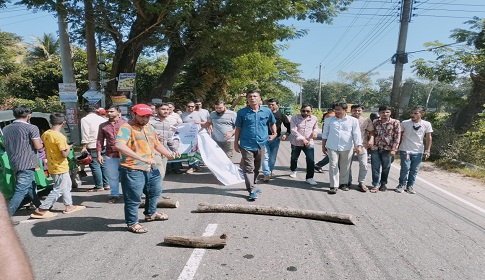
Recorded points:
(435, 48)
(25, 20)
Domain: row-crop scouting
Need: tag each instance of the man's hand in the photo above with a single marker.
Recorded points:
(314, 135)
(358, 149)
(306, 143)
(271, 137)
(324, 150)
(283, 137)
(392, 153)
(100, 159)
(426, 155)
(150, 161)
(228, 136)
(370, 144)
(236, 147)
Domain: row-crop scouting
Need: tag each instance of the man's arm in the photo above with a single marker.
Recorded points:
(429, 140)
(237, 133)
(100, 143)
(14, 264)
(84, 134)
(37, 144)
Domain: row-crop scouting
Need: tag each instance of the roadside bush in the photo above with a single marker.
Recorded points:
(49, 105)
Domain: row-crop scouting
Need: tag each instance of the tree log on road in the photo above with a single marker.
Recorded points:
(276, 211)
(166, 203)
(197, 242)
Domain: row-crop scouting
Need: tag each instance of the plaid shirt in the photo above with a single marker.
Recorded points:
(387, 135)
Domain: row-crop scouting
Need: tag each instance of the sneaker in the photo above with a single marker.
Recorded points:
(363, 187)
(383, 188)
(254, 194)
(293, 174)
(318, 169)
(311, 181)
(332, 191)
(190, 171)
(266, 179)
(344, 187)
(410, 190)
(399, 189)
(114, 199)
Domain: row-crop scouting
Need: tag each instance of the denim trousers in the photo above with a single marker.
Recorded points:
(323, 162)
(25, 186)
(112, 166)
(62, 187)
(409, 168)
(362, 158)
(270, 153)
(100, 175)
(310, 159)
(339, 167)
(378, 158)
(134, 183)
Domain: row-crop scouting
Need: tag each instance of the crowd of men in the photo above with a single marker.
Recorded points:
(135, 152)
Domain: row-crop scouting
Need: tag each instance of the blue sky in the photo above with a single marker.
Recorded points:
(359, 39)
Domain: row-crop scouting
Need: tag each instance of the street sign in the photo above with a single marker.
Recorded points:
(92, 96)
(67, 92)
(126, 81)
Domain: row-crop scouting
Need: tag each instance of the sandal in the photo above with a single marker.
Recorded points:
(156, 217)
(95, 190)
(374, 189)
(137, 228)
(363, 188)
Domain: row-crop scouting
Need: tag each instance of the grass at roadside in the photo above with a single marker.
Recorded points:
(461, 169)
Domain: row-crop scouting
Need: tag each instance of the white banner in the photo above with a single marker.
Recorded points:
(185, 140)
(216, 160)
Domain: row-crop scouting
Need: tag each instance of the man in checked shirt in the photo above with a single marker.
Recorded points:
(106, 140)
(162, 127)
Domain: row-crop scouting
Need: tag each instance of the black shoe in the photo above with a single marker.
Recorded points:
(318, 169)
(344, 187)
(82, 173)
(383, 188)
(332, 191)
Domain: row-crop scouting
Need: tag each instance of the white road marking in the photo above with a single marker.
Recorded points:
(447, 193)
(192, 264)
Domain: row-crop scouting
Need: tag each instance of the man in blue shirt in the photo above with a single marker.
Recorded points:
(252, 123)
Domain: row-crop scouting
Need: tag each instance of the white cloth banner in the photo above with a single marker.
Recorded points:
(216, 160)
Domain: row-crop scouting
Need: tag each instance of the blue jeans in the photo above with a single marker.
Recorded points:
(100, 175)
(310, 159)
(134, 183)
(270, 154)
(25, 186)
(409, 168)
(113, 173)
(378, 158)
(323, 162)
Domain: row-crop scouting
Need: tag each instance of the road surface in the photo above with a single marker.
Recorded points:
(439, 233)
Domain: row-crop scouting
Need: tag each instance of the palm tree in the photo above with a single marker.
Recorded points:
(46, 47)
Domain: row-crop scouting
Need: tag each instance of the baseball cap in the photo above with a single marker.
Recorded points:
(101, 111)
(142, 110)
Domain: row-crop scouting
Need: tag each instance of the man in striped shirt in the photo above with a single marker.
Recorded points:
(21, 141)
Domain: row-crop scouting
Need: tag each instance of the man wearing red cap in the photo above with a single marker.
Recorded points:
(136, 142)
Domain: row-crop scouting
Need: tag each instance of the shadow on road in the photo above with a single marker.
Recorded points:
(75, 226)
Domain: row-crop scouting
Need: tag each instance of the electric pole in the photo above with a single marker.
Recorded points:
(320, 87)
(401, 58)
(67, 71)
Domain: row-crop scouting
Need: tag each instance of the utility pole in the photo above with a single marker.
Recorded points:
(320, 87)
(301, 96)
(67, 71)
(401, 58)
(91, 48)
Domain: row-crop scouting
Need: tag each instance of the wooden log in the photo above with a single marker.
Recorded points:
(166, 203)
(197, 242)
(276, 211)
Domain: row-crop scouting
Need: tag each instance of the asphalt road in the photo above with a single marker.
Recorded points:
(438, 233)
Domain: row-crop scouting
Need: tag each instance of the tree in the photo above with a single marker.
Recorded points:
(190, 29)
(451, 64)
(45, 47)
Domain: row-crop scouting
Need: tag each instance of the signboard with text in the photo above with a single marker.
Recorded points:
(67, 92)
(126, 81)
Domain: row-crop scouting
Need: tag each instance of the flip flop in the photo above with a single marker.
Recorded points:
(78, 207)
(46, 215)
(95, 190)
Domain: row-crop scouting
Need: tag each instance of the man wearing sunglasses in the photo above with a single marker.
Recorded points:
(304, 128)
(413, 131)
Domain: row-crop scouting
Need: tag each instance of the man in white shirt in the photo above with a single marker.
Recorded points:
(340, 138)
(204, 114)
(413, 131)
(89, 136)
(366, 127)
(173, 117)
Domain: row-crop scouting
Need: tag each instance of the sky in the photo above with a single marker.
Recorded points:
(359, 40)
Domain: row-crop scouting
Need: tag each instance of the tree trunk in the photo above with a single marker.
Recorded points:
(463, 119)
(166, 203)
(177, 57)
(197, 242)
(276, 211)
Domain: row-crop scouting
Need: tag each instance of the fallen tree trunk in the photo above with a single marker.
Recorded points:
(276, 211)
(166, 203)
(197, 242)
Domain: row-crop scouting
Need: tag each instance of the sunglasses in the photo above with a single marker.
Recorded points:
(190, 106)
(416, 127)
(305, 111)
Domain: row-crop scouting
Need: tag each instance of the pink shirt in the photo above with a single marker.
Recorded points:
(303, 128)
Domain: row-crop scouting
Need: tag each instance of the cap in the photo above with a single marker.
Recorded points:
(142, 110)
(101, 111)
